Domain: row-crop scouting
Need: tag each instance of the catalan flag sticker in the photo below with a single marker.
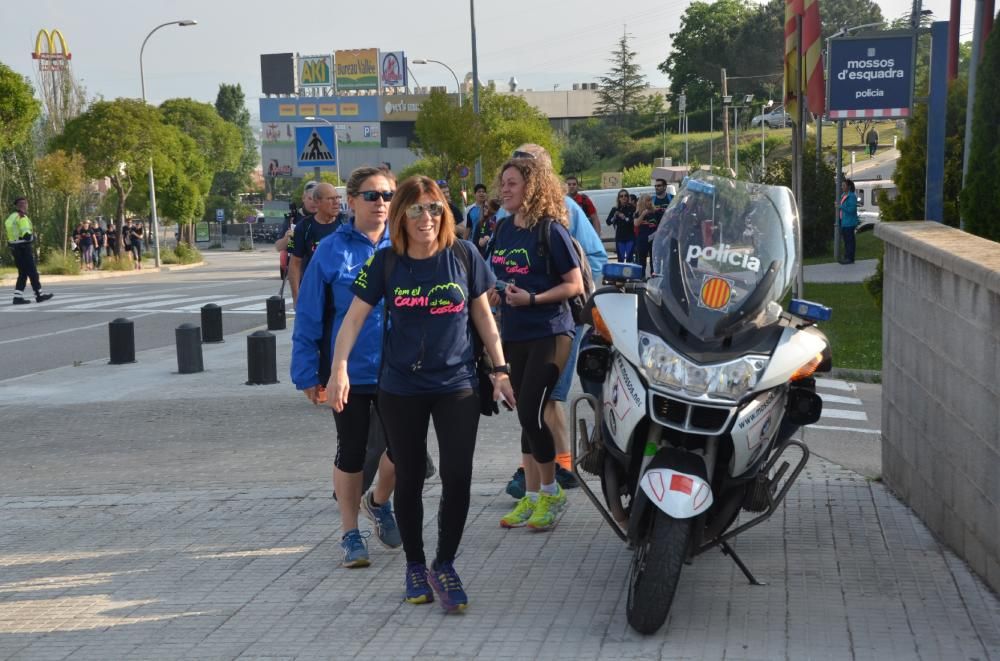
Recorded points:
(715, 293)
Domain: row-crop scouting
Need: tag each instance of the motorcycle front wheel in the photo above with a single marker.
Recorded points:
(655, 571)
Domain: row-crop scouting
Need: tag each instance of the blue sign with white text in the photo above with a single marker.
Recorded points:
(314, 146)
(871, 76)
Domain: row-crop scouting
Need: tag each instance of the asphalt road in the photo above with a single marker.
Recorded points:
(73, 326)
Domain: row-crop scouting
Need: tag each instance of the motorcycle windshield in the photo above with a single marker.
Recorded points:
(724, 250)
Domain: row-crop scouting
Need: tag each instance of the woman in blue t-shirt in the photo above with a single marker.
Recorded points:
(537, 274)
(428, 371)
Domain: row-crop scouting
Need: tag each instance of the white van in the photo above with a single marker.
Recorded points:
(867, 192)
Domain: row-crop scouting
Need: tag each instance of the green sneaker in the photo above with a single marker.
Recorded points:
(548, 509)
(519, 516)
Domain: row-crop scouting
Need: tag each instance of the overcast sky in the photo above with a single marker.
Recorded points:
(540, 42)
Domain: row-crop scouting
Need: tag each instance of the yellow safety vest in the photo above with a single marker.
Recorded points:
(17, 226)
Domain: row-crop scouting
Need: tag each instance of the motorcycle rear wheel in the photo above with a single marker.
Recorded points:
(655, 572)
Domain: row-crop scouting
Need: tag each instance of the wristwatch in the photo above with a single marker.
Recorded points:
(501, 369)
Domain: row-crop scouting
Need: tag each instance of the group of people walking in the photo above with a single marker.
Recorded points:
(90, 239)
(395, 313)
(635, 219)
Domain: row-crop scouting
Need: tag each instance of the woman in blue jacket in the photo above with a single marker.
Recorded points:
(848, 207)
(324, 297)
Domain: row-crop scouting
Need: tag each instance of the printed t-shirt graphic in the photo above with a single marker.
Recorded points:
(515, 260)
(429, 345)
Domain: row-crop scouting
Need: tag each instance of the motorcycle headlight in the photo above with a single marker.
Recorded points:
(730, 380)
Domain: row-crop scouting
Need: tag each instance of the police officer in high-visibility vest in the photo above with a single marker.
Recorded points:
(20, 236)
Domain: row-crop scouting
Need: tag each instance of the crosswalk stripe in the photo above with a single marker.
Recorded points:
(185, 299)
(226, 301)
(844, 414)
(260, 307)
(128, 298)
(857, 430)
(837, 399)
(835, 384)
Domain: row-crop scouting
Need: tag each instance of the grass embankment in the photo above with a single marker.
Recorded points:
(704, 147)
(867, 246)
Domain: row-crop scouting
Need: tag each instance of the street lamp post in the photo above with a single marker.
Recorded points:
(763, 111)
(458, 86)
(336, 141)
(152, 183)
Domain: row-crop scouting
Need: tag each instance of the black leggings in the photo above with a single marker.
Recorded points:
(456, 421)
(354, 426)
(535, 366)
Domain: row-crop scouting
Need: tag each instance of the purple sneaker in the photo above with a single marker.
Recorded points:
(448, 587)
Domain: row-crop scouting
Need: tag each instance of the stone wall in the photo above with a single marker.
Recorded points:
(940, 393)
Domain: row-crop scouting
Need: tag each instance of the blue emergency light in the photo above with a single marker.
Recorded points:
(617, 272)
(809, 310)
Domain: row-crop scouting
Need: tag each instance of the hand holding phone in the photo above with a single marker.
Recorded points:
(502, 399)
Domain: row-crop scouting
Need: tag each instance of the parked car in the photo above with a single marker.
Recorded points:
(774, 118)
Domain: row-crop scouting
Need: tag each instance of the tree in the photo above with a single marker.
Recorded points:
(619, 93)
(448, 136)
(818, 183)
(64, 174)
(981, 195)
(117, 140)
(18, 108)
(699, 52)
(230, 103)
(447, 133)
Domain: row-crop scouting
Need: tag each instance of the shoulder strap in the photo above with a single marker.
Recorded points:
(543, 243)
(462, 252)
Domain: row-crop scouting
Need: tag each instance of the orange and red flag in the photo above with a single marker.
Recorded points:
(813, 81)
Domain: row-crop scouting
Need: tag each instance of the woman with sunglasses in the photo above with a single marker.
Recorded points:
(537, 325)
(434, 287)
(622, 218)
(324, 298)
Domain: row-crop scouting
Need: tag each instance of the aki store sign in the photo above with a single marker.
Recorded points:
(871, 76)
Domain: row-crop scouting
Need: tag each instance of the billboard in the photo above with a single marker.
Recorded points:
(871, 76)
(315, 71)
(401, 108)
(392, 68)
(357, 69)
(365, 134)
(277, 73)
(345, 108)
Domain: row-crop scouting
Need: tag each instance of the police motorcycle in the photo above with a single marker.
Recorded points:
(698, 380)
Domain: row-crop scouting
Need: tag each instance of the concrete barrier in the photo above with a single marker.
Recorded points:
(940, 392)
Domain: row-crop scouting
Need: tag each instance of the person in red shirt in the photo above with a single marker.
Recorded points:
(573, 184)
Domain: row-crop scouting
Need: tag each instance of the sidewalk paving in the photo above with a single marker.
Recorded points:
(147, 514)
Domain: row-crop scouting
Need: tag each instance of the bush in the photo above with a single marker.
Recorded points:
(58, 264)
(120, 263)
(817, 198)
(982, 190)
(638, 175)
(187, 254)
(577, 157)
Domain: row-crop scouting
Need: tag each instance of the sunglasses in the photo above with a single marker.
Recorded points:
(372, 195)
(435, 209)
(523, 154)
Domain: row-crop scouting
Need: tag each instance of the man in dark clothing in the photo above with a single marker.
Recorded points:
(311, 231)
(461, 229)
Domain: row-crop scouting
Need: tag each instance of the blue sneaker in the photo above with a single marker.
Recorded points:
(448, 587)
(386, 529)
(515, 488)
(417, 590)
(355, 549)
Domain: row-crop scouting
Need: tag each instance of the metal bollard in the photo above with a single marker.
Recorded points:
(121, 338)
(262, 365)
(276, 313)
(189, 349)
(211, 323)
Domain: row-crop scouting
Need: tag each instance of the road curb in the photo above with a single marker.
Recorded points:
(864, 376)
(10, 281)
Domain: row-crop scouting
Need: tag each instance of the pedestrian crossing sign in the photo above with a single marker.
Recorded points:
(314, 146)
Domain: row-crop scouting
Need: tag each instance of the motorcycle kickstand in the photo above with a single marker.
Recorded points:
(728, 550)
